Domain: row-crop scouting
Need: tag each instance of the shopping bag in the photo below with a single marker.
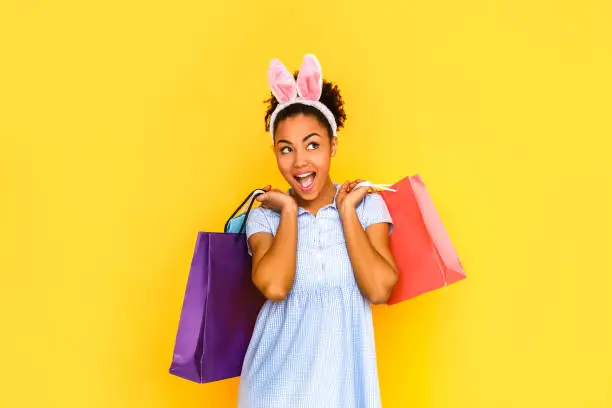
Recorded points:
(220, 307)
(423, 252)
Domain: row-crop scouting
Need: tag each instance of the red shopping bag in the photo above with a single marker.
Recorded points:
(423, 252)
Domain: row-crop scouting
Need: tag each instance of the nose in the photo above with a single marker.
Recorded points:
(300, 159)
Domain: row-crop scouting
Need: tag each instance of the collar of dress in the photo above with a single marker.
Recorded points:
(333, 204)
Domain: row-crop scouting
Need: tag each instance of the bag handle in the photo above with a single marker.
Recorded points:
(384, 187)
(254, 194)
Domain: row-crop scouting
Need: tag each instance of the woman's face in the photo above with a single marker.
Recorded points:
(303, 153)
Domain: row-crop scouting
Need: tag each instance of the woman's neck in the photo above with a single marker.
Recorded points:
(326, 197)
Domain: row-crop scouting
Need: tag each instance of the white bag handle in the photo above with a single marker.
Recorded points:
(385, 187)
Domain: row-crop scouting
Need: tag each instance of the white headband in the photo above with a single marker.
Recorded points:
(306, 90)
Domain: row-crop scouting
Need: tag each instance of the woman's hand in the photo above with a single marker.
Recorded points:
(274, 199)
(348, 198)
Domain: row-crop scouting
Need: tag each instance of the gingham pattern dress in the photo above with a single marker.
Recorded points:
(315, 348)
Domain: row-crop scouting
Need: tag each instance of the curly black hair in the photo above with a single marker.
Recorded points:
(330, 97)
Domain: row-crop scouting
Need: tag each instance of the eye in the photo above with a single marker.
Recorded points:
(312, 146)
(285, 150)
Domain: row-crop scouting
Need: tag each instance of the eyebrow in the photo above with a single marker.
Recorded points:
(303, 140)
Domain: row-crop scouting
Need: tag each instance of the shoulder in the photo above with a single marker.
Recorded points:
(371, 203)
(372, 210)
(262, 220)
(261, 212)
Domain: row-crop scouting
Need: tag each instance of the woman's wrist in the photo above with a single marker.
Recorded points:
(346, 211)
(290, 208)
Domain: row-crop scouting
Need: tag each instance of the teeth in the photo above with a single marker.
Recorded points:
(304, 175)
(306, 180)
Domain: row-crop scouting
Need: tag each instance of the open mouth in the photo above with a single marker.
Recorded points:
(306, 180)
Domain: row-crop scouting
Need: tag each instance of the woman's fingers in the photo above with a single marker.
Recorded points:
(274, 199)
(354, 183)
(345, 188)
(267, 189)
(342, 192)
(261, 197)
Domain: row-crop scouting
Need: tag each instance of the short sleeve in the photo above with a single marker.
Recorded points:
(374, 210)
(257, 222)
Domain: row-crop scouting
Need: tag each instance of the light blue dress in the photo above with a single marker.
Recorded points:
(315, 348)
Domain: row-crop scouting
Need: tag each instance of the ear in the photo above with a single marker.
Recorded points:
(281, 82)
(310, 79)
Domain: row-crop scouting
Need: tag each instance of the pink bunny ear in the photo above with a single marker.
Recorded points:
(310, 78)
(281, 82)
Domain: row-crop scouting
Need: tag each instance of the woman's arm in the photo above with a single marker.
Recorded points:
(370, 254)
(274, 257)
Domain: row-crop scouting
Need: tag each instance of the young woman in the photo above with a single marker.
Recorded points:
(321, 256)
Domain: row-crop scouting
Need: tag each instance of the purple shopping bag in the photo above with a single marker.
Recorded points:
(220, 308)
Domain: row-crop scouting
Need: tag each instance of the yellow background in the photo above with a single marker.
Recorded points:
(126, 127)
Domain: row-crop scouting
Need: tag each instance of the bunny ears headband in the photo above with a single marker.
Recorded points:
(306, 90)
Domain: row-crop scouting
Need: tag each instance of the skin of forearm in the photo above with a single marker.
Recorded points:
(374, 275)
(275, 271)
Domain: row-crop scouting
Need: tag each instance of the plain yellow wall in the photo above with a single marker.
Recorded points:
(126, 127)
